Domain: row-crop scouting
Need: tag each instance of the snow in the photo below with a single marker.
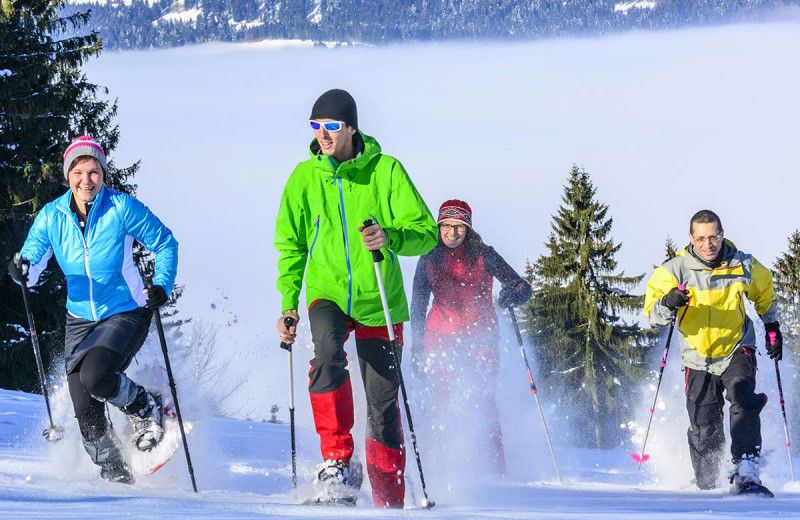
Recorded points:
(315, 15)
(243, 471)
(642, 4)
(666, 123)
(185, 15)
(104, 2)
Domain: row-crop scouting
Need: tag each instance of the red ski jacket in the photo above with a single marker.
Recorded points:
(462, 294)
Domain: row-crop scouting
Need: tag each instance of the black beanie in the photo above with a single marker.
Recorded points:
(336, 104)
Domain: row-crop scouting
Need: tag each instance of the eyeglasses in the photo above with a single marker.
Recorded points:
(330, 126)
(713, 239)
(458, 227)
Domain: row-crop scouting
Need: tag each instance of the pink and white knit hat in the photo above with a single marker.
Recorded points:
(455, 210)
(83, 146)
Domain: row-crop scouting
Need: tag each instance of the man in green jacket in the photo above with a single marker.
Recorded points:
(320, 232)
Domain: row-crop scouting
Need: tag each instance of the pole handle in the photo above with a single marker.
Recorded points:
(377, 256)
(772, 337)
(288, 321)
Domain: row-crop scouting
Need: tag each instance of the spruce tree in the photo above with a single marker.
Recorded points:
(45, 101)
(584, 347)
(670, 249)
(786, 279)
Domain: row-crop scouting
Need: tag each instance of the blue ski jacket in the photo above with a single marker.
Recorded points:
(102, 278)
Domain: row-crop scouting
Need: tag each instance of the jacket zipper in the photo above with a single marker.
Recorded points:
(346, 250)
(72, 217)
(316, 234)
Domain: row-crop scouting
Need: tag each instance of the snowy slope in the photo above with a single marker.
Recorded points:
(243, 471)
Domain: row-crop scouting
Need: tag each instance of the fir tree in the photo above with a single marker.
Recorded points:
(786, 278)
(671, 249)
(584, 347)
(46, 101)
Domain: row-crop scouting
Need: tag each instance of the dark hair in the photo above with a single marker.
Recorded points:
(705, 216)
(473, 243)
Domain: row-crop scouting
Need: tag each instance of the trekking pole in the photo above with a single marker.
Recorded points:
(534, 391)
(639, 458)
(54, 433)
(772, 337)
(160, 329)
(377, 258)
(288, 321)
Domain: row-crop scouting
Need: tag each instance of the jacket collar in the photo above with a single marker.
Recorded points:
(366, 149)
(693, 261)
(63, 202)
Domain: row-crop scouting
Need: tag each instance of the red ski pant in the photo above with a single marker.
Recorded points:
(332, 398)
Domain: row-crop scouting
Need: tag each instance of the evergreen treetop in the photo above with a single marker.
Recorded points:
(584, 346)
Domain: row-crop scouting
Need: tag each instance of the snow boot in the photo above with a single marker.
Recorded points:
(746, 478)
(104, 451)
(338, 482)
(145, 416)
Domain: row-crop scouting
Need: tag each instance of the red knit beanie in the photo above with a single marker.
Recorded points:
(455, 210)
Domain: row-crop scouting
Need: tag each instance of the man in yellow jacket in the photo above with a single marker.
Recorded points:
(718, 343)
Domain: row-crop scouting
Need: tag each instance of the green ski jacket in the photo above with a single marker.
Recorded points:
(323, 205)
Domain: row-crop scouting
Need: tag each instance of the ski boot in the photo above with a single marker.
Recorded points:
(338, 483)
(745, 478)
(145, 416)
(104, 451)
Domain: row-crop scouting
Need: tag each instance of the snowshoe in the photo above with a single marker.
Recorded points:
(751, 488)
(145, 414)
(746, 478)
(117, 472)
(104, 451)
(337, 483)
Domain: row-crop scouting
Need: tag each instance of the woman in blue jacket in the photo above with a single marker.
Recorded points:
(90, 230)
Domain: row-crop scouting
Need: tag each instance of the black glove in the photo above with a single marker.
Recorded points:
(512, 296)
(156, 297)
(675, 299)
(18, 268)
(774, 347)
(505, 299)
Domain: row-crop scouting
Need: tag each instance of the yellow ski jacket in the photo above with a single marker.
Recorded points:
(715, 322)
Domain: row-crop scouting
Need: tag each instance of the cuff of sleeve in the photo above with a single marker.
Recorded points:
(392, 239)
(289, 303)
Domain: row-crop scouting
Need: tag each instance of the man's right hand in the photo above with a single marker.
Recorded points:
(289, 334)
(18, 268)
(675, 299)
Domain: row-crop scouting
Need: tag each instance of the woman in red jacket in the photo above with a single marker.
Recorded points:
(457, 345)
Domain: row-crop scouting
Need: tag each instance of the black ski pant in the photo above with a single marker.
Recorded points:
(704, 402)
(107, 348)
(329, 381)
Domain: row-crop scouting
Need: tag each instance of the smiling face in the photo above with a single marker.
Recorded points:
(85, 179)
(339, 144)
(707, 240)
(453, 233)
